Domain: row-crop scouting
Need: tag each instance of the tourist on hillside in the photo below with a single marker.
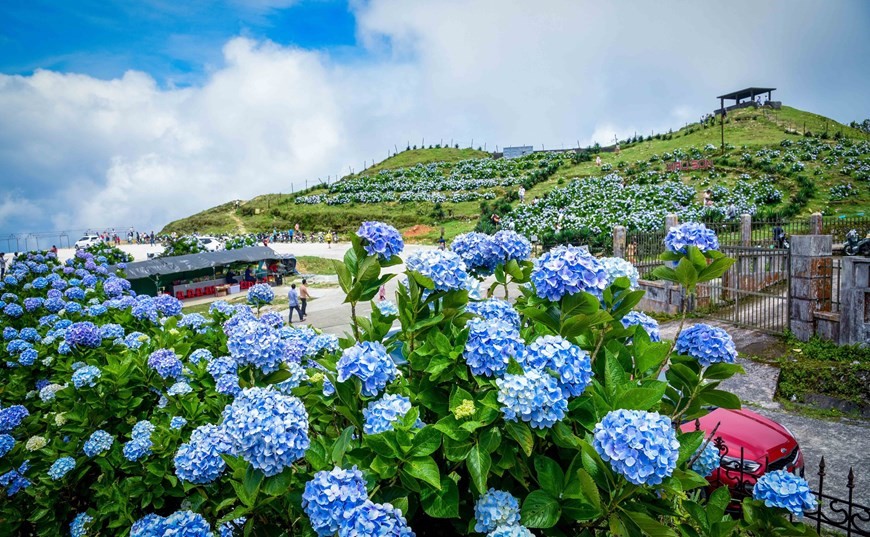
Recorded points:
(304, 295)
(290, 234)
(522, 194)
(2, 265)
(598, 160)
(293, 302)
(54, 249)
(152, 238)
(329, 240)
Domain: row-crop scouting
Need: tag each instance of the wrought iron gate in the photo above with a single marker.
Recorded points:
(754, 293)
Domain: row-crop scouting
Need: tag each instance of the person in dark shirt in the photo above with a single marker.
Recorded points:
(231, 277)
(249, 275)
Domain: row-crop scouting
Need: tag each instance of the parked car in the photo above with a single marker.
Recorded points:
(87, 240)
(750, 446)
(211, 244)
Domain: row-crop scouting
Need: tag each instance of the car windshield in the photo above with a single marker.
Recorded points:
(85, 238)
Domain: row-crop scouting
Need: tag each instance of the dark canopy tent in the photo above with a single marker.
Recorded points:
(147, 276)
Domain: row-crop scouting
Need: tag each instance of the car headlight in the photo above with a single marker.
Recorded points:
(744, 465)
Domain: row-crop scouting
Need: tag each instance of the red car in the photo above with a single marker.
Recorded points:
(750, 445)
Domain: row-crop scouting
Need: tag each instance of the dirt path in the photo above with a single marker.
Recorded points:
(240, 226)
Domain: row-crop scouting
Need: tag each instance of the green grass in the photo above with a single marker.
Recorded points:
(747, 127)
(309, 264)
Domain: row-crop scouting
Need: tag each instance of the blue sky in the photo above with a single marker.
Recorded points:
(140, 112)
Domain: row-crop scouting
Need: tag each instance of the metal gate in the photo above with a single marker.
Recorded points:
(754, 293)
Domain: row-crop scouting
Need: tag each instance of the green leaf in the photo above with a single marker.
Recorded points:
(720, 398)
(716, 269)
(686, 273)
(540, 510)
(278, 485)
(721, 371)
(641, 398)
(650, 526)
(424, 469)
(717, 503)
(253, 479)
(426, 442)
(369, 269)
(581, 498)
(442, 502)
(341, 444)
(520, 432)
(458, 395)
(550, 475)
(689, 444)
(344, 277)
(478, 463)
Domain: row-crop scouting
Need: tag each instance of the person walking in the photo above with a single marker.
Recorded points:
(522, 194)
(2, 265)
(304, 295)
(293, 302)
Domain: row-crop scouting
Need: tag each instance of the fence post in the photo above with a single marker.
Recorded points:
(619, 241)
(745, 230)
(816, 224)
(671, 220)
(808, 281)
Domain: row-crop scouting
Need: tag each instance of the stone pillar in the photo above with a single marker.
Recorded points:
(619, 242)
(745, 230)
(816, 224)
(809, 283)
(855, 301)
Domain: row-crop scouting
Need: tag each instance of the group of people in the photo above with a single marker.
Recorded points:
(133, 237)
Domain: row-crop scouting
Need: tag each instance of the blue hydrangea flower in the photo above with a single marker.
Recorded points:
(168, 305)
(111, 331)
(495, 309)
(220, 366)
(641, 446)
(84, 334)
(233, 528)
(98, 443)
(74, 293)
(165, 363)
(86, 376)
(260, 294)
(49, 392)
(379, 415)
(567, 270)
(179, 388)
(330, 497)
(707, 344)
(616, 267)
(145, 309)
(199, 355)
(79, 526)
(513, 246)
(370, 363)
(267, 428)
(380, 239)
(297, 375)
(29, 334)
(33, 303)
(137, 448)
(11, 417)
(706, 460)
(177, 422)
(511, 531)
(194, 321)
(478, 251)
(9, 333)
(785, 490)
(681, 237)
(534, 398)
(199, 461)
(180, 523)
(54, 304)
(134, 340)
(650, 325)
(490, 346)
(73, 307)
(14, 480)
(495, 508)
(228, 384)
(7, 442)
(150, 525)
(61, 467)
(272, 318)
(257, 344)
(13, 310)
(221, 306)
(27, 357)
(375, 519)
(387, 308)
(443, 267)
(570, 362)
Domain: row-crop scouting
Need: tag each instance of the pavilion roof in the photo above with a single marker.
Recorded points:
(745, 93)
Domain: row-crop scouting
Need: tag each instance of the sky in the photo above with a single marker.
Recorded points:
(116, 113)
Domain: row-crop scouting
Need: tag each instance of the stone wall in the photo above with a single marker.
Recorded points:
(855, 301)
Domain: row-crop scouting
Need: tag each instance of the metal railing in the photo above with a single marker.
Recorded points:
(838, 226)
(829, 299)
(643, 248)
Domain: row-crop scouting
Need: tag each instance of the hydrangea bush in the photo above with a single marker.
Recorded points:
(548, 414)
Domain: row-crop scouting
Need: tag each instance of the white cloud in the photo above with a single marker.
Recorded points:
(81, 152)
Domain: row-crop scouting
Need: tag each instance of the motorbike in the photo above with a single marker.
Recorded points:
(856, 245)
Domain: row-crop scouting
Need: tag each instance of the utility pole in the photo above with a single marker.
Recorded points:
(722, 129)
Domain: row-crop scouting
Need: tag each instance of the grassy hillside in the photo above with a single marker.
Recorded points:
(421, 215)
